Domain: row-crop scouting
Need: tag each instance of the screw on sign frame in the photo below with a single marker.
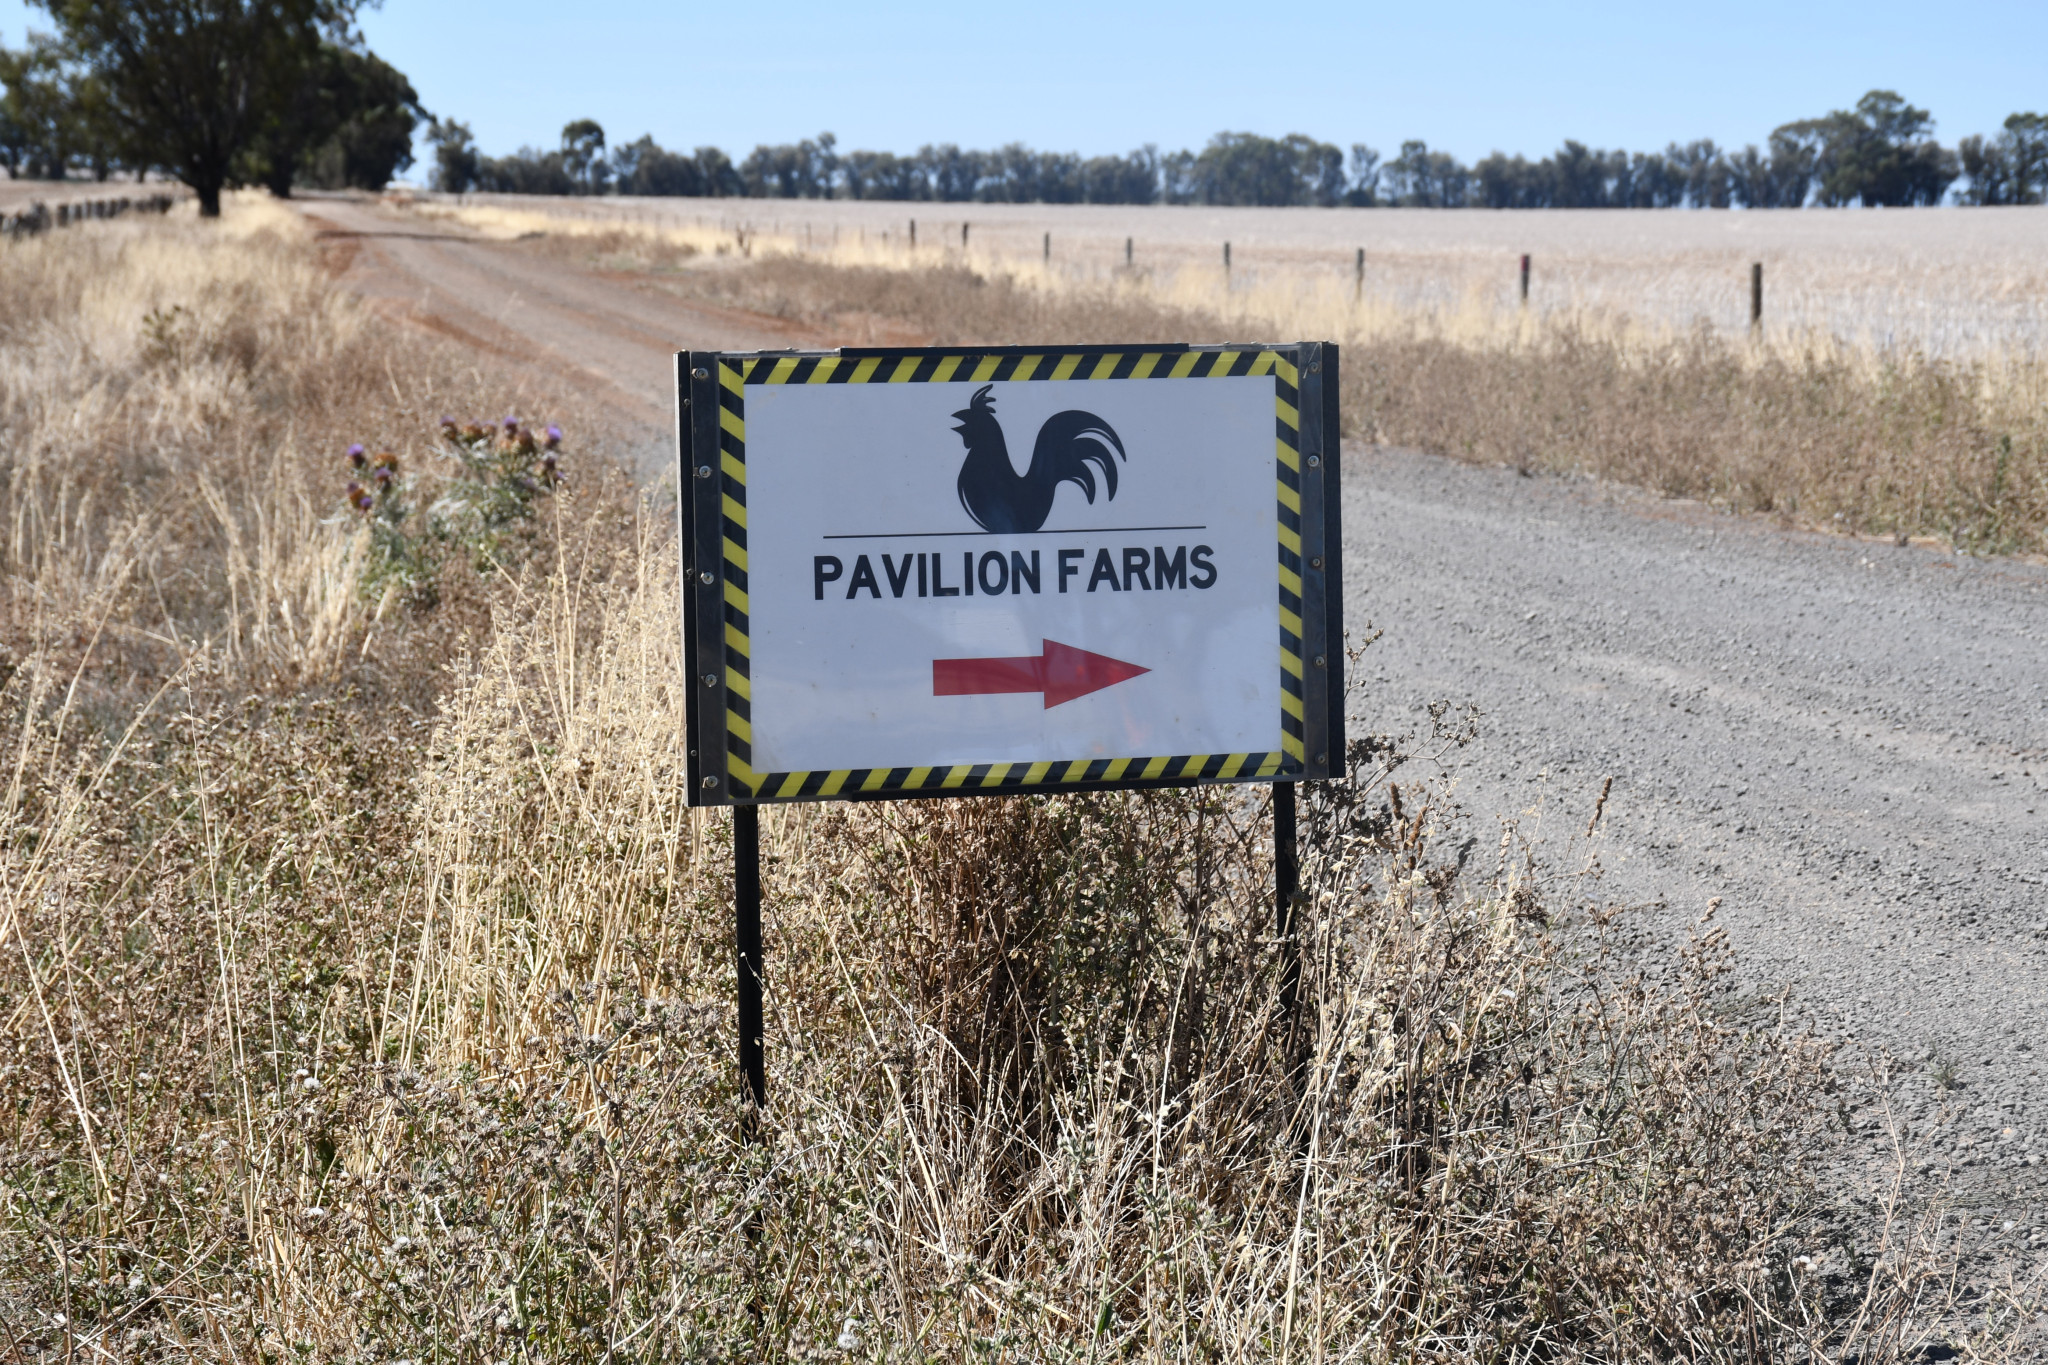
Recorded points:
(842, 585)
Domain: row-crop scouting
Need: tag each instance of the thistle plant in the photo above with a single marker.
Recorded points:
(502, 470)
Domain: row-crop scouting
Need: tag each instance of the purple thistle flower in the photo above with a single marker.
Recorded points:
(511, 424)
(355, 456)
(554, 436)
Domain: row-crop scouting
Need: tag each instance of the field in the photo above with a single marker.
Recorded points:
(1899, 386)
(366, 985)
(1949, 284)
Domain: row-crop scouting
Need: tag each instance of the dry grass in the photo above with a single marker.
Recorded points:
(1824, 430)
(366, 990)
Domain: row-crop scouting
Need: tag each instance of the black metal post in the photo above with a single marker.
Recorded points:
(746, 905)
(1287, 890)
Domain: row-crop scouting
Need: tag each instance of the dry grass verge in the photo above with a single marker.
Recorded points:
(366, 993)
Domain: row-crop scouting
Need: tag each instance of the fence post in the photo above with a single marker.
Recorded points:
(963, 236)
(1226, 262)
(1756, 296)
(1127, 253)
(1525, 278)
(1358, 279)
(913, 234)
(1048, 248)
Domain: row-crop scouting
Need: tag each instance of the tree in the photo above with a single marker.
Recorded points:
(1365, 177)
(1132, 179)
(803, 170)
(1245, 168)
(1750, 179)
(2011, 168)
(1578, 177)
(1420, 178)
(192, 83)
(38, 124)
(645, 167)
(583, 156)
(299, 124)
(1504, 182)
(347, 120)
(721, 177)
(527, 171)
(374, 141)
(1177, 177)
(455, 158)
(1877, 153)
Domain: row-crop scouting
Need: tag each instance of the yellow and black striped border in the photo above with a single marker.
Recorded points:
(735, 373)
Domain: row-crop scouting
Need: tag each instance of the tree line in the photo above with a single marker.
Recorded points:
(1882, 152)
(214, 93)
(284, 93)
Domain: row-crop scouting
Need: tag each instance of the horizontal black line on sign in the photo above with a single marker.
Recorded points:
(896, 352)
(1081, 531)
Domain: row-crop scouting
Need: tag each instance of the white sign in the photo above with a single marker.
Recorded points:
(969, 578)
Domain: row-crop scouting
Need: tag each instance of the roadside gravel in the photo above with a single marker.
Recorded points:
(1845, 741)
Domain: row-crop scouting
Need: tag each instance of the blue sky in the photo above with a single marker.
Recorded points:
(1104, 77)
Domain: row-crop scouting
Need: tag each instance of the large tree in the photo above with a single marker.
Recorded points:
(192, 84)
(1877, 153)
(38, 124)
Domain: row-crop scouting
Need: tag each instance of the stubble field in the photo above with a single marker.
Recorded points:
(1899, 386)
(1951, 284)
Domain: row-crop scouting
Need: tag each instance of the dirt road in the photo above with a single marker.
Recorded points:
(528, 309)
(1845, 742)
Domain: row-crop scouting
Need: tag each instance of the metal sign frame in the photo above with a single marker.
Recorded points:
(712, 482)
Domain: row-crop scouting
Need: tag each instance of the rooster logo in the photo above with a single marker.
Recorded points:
(1002, 500)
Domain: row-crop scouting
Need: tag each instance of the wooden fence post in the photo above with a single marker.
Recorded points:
(1756, 296)
(1525, 279)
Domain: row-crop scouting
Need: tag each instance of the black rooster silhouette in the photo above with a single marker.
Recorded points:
(1001, 499)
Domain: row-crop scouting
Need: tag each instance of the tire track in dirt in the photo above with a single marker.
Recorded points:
(613, 335)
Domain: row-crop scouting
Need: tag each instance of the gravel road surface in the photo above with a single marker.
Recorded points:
(1845, 741)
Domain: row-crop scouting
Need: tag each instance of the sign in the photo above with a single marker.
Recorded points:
(965, 571)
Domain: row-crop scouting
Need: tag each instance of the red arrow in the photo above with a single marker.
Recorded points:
(1061, 672)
